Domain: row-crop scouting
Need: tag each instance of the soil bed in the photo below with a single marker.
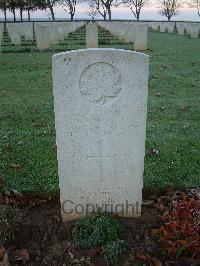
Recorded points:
(35, 235)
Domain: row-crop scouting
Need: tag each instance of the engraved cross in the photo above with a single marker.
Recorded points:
(100, 157)
(71, 132)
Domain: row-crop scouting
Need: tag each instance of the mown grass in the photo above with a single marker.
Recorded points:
(27, 136)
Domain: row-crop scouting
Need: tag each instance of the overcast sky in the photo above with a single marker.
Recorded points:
(147, 13)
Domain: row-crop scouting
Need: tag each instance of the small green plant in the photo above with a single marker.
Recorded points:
(112, 250)
(96, 230)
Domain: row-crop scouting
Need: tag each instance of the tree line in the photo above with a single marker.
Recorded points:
(168, 8)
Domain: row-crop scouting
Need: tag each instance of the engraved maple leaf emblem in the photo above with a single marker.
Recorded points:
(100, 83)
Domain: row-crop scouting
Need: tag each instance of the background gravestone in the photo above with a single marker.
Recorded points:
(1, 35)
(53, 33)
(28, 31)
(14, 33)
(100, 98)
(195, 30)
(141, 40)
(91, 35)
(42, 36)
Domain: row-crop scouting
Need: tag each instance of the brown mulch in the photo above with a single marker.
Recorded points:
(34, 234)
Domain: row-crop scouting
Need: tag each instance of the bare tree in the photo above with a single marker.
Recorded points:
(12, 6)
(69, 6)
(21, 6)
(4, 8)
(195, 4)
(97, 7)
(31, 6)
(49, 4)
(170, 8)
(103, 7)
(92, 12)
(108, 4)
(136, 6)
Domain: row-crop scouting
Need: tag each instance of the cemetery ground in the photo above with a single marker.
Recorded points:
(28, 165)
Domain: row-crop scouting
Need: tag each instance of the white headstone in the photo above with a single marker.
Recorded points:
(180, 28)
(128, 30)
(20, 28)
(14, 31)
(79, 24)
(195, 30)
(61, 31)
(123, 31)
(42, 37)
(170, 27)
(69, 27)
(1, 35)
(187, 26)
(155, 26)
(15, 37)
(141, 40)
(53, 33)
(28, 31)
(100, 100)
(163, 27)
(1, 30)
(91, 35)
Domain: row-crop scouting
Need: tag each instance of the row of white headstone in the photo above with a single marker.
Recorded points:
(131, 32)
(46, 33)
(17, 30)
(51, 33)
(191, 28)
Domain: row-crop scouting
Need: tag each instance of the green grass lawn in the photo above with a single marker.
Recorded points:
(27, 136)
